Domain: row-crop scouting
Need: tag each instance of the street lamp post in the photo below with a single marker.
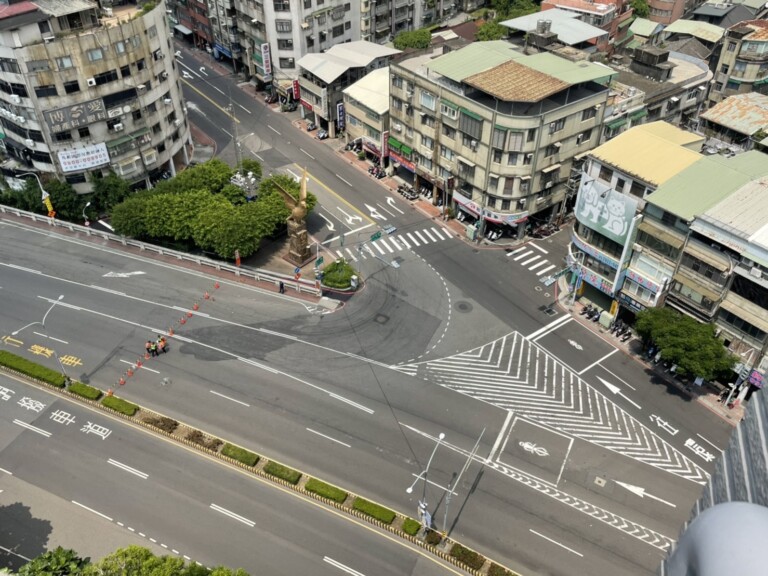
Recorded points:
(42, 323)
(85, 218)
(577, 280)
(423, 475)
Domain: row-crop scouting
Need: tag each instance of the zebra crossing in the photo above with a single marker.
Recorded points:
(518, 375)
(533, 258)
(387, 245)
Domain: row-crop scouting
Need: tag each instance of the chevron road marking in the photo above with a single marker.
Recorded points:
(516, 374)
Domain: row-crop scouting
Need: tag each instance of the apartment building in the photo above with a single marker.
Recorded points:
(381, 20)
(366, 104)
(612, 16)
(617, 179)
(557, 27)
(742, 63)
(727, 14)
(83, 92)
(740, 120)
(492, 130)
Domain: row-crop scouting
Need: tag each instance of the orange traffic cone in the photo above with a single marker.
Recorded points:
(206, 296)
(138, 363)
(121, 381)
(110, 392)
(216, 285)
(189, 314)
(183, 320)
(195, 306)
(129, 372)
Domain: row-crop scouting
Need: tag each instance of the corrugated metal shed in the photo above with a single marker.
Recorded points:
(474, 58)
(568, 71)
(701, 30)
(372, 90)
(515, 82)
(742, 113)
(645, 28)
(569, 29)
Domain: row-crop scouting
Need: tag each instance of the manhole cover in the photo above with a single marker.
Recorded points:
(463, 306)
(548, 310)
(381, 318)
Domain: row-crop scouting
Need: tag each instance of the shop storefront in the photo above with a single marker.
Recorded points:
(467, 211)
(399, 155)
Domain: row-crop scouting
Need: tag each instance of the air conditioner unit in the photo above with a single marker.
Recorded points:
(398, 127)
(177, 122)
(141, 87)
(91, 81)
(49, 39)
(548, 184)
(168, 101)
(637, 248)
(15, 98)
(473, 144)
(674, 99)
(409, 94)
(407, 106)
(703, 88)
(598, 106)
(20, 119)
(579, 138)
(119, 127)
(540, 200)
(756, 272)
(557, 144)
(164, 75)
(30, 143)
(529, 155)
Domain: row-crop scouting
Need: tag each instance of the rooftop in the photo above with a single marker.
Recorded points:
(580, 5)
(16, 9)
(645, 28)
(372, 90)
(744, 211)
(567, 70)
(565, 24)
(514, 82)
(474, 58)
(755, 5)
(651, 152)
(339, 58)
(759, 27)
(702, 185)
(701, 30)
(58, 8)
(742, 113)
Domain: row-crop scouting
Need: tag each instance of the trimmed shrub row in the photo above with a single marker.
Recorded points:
(164, 423)
(496, 570)
(32, 369)
(411, 526)
(205, 441)
(240, 454)
(85, 391)
(467, 556)
(279, 471)
(120, 405)
(433, 538)
(374, 510)
(325, 490)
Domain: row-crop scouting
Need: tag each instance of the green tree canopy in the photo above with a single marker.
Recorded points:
(640, 8)
(507, 9)
(288, 184)
(682, 340)
(58, 562)
(413, 39)
(491, 30)
(108, 192)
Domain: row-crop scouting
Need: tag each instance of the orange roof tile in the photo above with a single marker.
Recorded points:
(514, 82)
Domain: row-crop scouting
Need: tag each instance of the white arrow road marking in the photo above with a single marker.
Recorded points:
(237, 517)
(330, 225)
(374, 213)
(616, 390)
(186, 75)
(351, 219)
(385, 210)
(391, 202)
(664, 425)
(122, 274)
(640, 491)
(341, 566)
(202, 70)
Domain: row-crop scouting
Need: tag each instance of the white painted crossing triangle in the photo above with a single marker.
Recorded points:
(398, 242)
(531, 259)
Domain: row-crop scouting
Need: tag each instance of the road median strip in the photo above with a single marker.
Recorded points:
(394, 522)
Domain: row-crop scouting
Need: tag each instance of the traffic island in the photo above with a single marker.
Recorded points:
(372, 512)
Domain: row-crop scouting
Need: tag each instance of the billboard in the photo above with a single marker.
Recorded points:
(83, 158)
(266, 59)
(604, 210)
(75, 116)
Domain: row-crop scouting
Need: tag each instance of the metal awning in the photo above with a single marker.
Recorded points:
(745, 310)
(406, 149)
(658, 232)
(183, 29)
(616, 123)
(713, 259)
(552, 168)
(394, 143)
(638, 114)
(696, 287)
(465, 161)
(471, 114)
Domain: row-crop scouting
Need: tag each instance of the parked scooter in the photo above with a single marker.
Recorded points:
(322, 135)
(311, 126)
(596, 317)
(627, 335)
(586, 310)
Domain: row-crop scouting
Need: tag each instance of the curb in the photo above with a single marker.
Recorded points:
(258, 470)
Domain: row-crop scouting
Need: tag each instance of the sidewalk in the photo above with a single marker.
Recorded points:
(705, 394)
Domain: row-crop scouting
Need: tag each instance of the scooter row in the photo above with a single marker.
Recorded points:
(621, 330)
(591, 312)
(493, 235)
(545, 230)
(377, 171)
(407, 191)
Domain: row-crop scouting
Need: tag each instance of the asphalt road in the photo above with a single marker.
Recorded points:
(116, 478)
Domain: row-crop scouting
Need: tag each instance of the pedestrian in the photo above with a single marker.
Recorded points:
(148, 346)
(153, 348)
(281, 287)
(161, 344)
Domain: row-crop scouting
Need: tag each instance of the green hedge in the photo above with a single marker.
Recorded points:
(120, 405)
(325, 490)
(496, 570)
(240, 454)
(433, 537)
(338, 274)
(32, 369)
(374, 510)
(411, 526)
(288, 474)
(85, 391)
(467, 556)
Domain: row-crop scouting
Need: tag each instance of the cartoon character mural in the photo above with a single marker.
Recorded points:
(604, 210)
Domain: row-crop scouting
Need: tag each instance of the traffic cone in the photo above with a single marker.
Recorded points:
(183, 320)
(170, 331)
(189, 314)
(146, 356)
(216, 285)
(206, 296)
(138, 363)
(121, 381)
(110, 392)
(195, 306)
(129, 372)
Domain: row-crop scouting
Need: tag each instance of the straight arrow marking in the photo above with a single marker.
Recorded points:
(616, 390)
(640, 491)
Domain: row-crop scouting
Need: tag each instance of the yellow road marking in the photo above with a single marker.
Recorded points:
(306, 499)
(227, 112)
(343, 200)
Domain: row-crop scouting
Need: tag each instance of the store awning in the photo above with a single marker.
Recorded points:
(552, 168)
(658, 232)
(394, 143)
(471, 114)
(696, 287)
(745, 310)
(465, 161)
(616, 123)
(638, 114)
(715, 260)
(449, 103)
(406, 149)
(182, 29)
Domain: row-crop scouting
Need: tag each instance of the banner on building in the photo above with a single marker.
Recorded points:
(604, 210)
(296, 90)
(324, 103)
(75, 116)
(385, 144)
(83, 158)
(340, 115)
(266, 58)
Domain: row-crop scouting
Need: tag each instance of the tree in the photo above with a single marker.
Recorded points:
(249, 165)
(288, 184)
(223, 228)
(108, 192)
(413, 39)
(507, 9)
(640, 8)
(491, 30)
(58, 562)
(682, 340)
(129, 218)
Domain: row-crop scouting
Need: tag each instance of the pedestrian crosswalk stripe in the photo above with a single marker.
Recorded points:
(394, 241)
(340, 253)
(534, 258)
(437, 233)
(517, 251)
(428, 235)
(420, 236)
(415, 242)
(404, 241)
(376, 245)
(351, 254)
(543, 270)
(539, 264)
(523, 255)
(387, 246)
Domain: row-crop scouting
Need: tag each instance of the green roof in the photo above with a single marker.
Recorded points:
(643, 27)
(566, 70)
(701, 30)
(706, 182)
(474, 58)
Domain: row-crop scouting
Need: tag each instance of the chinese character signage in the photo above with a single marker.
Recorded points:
(75, 116)
(296, 90)
(324, 103)
(385, 144)
(266, 58)
(340, 115)
(604, 210)
(83, 158)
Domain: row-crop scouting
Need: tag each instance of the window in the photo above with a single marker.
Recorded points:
(105, 77)
(75, 178)
(152, 31)
(136, 115)
(739, 68)
(637, 189)
(731, 85)
(283, 25)
(428, 100)
(531, 135)
(471, 125)
(287, 63)
(84, 132)
(528, 159)
(725, 68)
(125, 71)
(493, 183)
(307, 4)
(397, 104)
(557, 125)
(731, 46)
(285, 44)
(347, 25)
(44, 27)
(718, 86)
(741, 325)
(310, 41)
(515, 141)
(499, 139)
(64, 62)
(620, 184)
(38, 65)
(62, 136)
(505, 205)
(447, 153)
(550, 150)
(497, 155)
(467, 141)
(653, 243)
(466, 171)
(120, 47)
(449, 132)
(588, 114)
(448, 111)
(584, 137)
(525, 186)
(491, 202)
(428, 120)
(702, 268)
(46, 91)
(95, 55)
(337, 31)
(512, 158)
(140, 64)
(282, 5)
(606, 173)
(397, 81)
(669, 219)
(71, 87)
(427, 142)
